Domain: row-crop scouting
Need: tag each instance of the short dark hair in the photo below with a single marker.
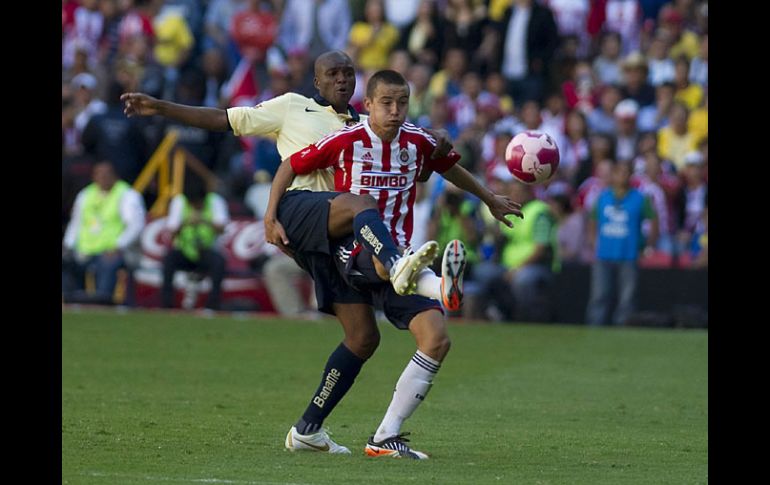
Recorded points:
(385, 77)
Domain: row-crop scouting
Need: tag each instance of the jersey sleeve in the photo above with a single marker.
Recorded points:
(321, 154)
(442, 164)
(439, 165)
(265, 118)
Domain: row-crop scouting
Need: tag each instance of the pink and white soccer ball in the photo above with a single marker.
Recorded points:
(532, 157)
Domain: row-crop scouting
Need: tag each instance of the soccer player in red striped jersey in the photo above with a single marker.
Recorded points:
(384, 157)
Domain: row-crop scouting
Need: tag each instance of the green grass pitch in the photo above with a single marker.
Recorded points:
(181, 399)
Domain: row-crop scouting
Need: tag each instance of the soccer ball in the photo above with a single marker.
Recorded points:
(532, 157)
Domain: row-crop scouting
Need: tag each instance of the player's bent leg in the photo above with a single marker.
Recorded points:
(344, 364)
(362, 336)
(342, 211)
(430, 333)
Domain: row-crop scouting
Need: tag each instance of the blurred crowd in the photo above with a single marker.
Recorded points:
(610, 80)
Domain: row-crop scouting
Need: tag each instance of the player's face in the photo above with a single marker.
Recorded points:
(388, 107)
(335, 80)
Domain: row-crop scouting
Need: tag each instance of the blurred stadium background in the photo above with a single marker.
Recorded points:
(610, 80)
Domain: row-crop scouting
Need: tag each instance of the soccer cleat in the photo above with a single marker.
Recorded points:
(452, 268)
(403, 274)
(319, 441)
(394, 447)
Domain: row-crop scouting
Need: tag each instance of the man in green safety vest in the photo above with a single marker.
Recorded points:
(106, 221)
(517, 287)
(195, 220)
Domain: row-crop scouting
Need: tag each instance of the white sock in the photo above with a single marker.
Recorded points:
(428, 284)
(411, 389)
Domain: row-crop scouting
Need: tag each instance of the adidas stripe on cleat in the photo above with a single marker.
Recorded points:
(394, 447)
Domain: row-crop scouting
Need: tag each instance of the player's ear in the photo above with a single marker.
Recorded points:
(368, 104)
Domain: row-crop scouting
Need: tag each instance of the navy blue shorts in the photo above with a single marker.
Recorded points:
(357, 269)
(304, 216)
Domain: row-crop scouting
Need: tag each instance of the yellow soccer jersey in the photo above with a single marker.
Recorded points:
(297, 122)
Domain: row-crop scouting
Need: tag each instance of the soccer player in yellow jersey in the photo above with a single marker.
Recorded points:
(298, 121)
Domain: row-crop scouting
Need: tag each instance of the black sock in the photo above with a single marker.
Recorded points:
(370, 231)
(341, 370)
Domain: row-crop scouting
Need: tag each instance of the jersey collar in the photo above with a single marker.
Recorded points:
(351, 110)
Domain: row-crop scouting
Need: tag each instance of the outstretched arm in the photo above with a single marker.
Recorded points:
(139, 104)
(499, 205)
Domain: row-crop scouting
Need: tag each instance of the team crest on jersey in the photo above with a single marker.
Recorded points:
(404, 155)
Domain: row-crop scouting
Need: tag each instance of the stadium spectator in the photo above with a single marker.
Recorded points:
(635, 84)
(575, 152)
(173, 44)
(691, 200)
(371, 41)
(698, 121)
(254, 29)
(424, 37)
(661, 66)
(621, 16)
(607, 64)
(314, 26)
(110, 136)
(518, 287)
(528, 42)
(688, 93)
(214, 68)
(571, 231)
(699, 67)
(676, 140)
(106, 221)
(82, 33)
(420, 99)
(589, 189)
(581, 89)
(399, 13)
(615, 229)
(195, 220)
(626, 134)
(216, 25)
(650, 183)
(571, 17)
(465, 107)
(448, 81)
(601, 119)
(683, 40)
(655, 116)
(87, 104)
(463, 24)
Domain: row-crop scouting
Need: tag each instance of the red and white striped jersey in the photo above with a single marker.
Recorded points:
(387, 171)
